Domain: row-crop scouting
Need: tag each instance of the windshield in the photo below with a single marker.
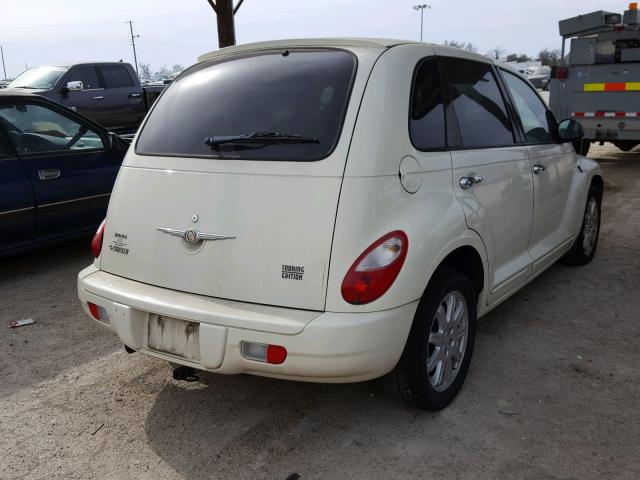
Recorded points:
(289, 92)
(38, 77)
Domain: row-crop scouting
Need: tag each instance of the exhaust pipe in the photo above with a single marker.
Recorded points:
(186, 374)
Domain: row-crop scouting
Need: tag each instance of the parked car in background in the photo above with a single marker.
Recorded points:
(540, 78)
(330, 220)
(57, 169)
(109, 93)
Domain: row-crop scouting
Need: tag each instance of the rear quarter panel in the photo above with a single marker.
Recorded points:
(373, 201)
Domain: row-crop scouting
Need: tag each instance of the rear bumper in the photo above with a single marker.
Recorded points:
(321, 346)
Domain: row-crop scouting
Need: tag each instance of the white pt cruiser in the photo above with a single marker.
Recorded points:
(337, 210)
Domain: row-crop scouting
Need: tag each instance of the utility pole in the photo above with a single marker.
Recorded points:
(420, 8)
(133, 44)
(4, 69)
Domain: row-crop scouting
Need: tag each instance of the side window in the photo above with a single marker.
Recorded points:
(116, 77)
(479, 106)
(427, 123)
(87, 75)
(36, 129)
(538, 122)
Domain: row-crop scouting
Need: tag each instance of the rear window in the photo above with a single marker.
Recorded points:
(116, 77)
(292, 92)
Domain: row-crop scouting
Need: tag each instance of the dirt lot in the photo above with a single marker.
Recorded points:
(553, 391)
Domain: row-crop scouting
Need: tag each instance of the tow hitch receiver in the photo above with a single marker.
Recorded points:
(186, 374)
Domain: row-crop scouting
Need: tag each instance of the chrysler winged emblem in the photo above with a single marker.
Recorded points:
(191, 235)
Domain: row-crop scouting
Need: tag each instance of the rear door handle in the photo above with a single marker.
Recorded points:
(539, 168)
(135, 95)
(98, 97)
(48, 174)
(471, 180)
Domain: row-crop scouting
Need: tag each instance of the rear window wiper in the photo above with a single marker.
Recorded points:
(258, 138)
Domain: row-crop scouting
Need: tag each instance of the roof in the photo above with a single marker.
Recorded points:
(380, 43)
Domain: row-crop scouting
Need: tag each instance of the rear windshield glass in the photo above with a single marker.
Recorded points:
(300, 95)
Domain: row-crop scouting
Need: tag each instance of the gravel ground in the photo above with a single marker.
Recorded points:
(553, 391)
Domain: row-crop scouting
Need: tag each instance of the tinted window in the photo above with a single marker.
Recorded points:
(116, 77)
(87, 75)
(36, 129)
(538, 123)
(478, 103)
(299, 92)
(427, 125)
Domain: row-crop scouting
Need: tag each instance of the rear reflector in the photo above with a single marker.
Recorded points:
(261, 352)
(98, 312)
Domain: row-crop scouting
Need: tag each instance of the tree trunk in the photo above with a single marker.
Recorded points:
(226, 27)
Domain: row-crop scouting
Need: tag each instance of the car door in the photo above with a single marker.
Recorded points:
(125, 102)
(554, 165)
(17, 208)
(65, 157)
(491, 170)
(92, 100)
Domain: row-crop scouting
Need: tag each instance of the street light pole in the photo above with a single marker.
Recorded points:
(421, 8)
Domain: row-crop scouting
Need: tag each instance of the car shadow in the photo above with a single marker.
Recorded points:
(243, 426)
(41, 285)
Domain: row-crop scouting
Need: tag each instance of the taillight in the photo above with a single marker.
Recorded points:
(375, 270)
(96, 243)
(561, 73)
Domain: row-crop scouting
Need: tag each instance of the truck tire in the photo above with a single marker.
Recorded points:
(584, 248)
(582, 147)
(625, 145)
(438, 352)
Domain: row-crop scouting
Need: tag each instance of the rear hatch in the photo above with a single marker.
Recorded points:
(248, 214)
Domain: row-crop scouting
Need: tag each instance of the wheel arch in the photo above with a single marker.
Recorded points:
(598, 182)
(468, 255)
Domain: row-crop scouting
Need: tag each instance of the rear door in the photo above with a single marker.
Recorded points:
(65, 157)
(267, 211)
(553, 166)
(125, 103)
(17, 208)
(491, 169)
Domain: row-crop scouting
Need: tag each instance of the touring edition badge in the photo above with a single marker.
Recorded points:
(292, 272)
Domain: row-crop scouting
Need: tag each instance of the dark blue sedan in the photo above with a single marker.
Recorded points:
(57, 169)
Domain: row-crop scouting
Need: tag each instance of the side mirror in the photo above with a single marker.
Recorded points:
(75, 86)
(570, 130)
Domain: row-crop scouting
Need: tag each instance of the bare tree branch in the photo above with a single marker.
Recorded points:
(213, 5)
(235, 10)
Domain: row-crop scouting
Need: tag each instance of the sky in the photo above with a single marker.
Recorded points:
(35, 32)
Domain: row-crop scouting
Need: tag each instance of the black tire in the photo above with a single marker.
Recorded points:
(582, 147)
(582, 252)
(410, 379)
